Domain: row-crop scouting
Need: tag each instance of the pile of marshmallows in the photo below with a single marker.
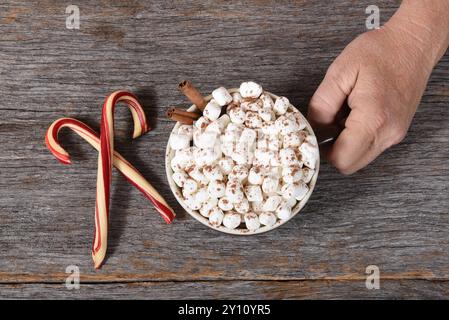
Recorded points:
(248, 167)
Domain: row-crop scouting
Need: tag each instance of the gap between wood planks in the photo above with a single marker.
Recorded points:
(32, 279)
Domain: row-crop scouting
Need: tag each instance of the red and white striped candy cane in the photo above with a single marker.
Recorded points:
(105, 157)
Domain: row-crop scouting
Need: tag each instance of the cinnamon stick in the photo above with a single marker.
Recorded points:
(187, 88)
(183, 116)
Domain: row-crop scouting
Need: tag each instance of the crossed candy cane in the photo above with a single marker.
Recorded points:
(104, 144)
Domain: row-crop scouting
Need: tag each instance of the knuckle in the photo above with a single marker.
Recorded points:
(398, 134)
(336, 72)
(380, 119)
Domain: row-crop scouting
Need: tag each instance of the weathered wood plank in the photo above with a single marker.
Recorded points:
(394, 214)
(257, 290)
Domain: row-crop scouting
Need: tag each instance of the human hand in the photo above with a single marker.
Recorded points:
(381, 75)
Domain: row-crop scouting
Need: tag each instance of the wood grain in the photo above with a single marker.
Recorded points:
(393, 214)
(254, 290)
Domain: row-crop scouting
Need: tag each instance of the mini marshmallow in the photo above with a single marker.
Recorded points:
(253, 193)
(219, 125)
(290, 202)
(204, 139)
(201, 195)
(251, 105)
(226, 165)
(217, 151)
(257, 206)
(292, 140)
(310, 154)
(281, 105)
(222, 96)
(240, 157)
(267, 101)
(288, 157)
(262, 157)
(240, 171)
(201, 122)
(192, 203)
(253, 120)
(311, 140)
(207, 207)
(235, 127)
(196, 174)
(255, 175)
(248, 135)
(284, 211)
(232, 220)
(267, 218)
(204, 157)
(224, 204)
(244, 152)
(252, 221)
(237, 97)
(270, 128)
(270, 184)
(215, 217)
(265, 114)
(180, 178)
(186, 156)
(224, 120)
(216, 189)
(286, 125)
(288, 191)
(274, 158)
(213, 172)
(179, 141)
(231, 106)
(234, 191)
(300, 120)
(275, 171)
(214, 126)
(273, 143)
(250, 90)
(177, 164)
(291, 174)
(242, 206)
(307, 174)
(190, 186)
(301, 189)
(295, 190)
(212, 110)
(237, 115)
(271, 203)
(230, 136)
(186, 129)
(262, 143)
(227, 148)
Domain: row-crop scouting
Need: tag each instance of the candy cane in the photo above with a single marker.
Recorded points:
(105, 157)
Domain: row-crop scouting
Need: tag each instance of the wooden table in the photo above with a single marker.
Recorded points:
(394, 214)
